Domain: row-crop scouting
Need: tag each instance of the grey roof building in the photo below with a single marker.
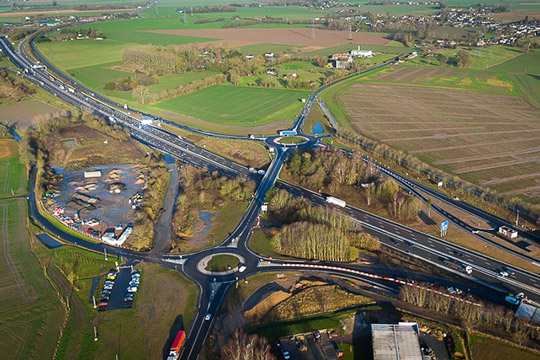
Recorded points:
(396, 342)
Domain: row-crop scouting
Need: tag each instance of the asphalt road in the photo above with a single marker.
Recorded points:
(213, 289)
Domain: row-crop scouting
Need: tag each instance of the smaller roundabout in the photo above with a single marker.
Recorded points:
(291, 140)
(220, 264)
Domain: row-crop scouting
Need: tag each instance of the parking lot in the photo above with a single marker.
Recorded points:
(316, 345)
(119, 289)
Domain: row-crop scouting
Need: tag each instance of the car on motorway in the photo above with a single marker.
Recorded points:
(510, 272)
(457, 253)
(503, 273)
(208, 317)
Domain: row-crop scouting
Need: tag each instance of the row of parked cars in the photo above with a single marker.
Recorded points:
(132, 287)
(107, 289)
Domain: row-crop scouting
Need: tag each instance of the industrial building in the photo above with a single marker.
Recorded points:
(396, 342)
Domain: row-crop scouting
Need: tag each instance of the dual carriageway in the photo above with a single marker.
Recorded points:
(406, 240)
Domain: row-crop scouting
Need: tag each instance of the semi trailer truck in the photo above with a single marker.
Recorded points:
(336, 201)
(174, 351)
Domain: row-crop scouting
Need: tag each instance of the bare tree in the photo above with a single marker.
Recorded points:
(246, 347)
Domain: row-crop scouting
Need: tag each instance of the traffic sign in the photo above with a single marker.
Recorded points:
(444, 227)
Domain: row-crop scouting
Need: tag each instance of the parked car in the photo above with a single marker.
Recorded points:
(132, 289)
(286, 355)
(316, 334)
(129, 297)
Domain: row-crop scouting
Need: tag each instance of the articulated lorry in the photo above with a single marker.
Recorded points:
(458, 266)
(174, 351)
(336, 201)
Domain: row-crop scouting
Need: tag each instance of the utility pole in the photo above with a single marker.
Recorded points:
(313, 35)
(350, 33)
(185, 18)
(517, 217)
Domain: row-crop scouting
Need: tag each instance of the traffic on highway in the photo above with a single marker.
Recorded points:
(469, 266)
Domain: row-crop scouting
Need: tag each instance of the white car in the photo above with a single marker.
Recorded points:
(207, 317)
(242, 268)
(132, 289)
(503, 273)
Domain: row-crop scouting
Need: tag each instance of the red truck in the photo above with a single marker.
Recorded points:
(174, 352)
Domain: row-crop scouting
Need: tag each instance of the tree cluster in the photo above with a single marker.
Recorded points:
(130, 83)
(315, 233)
(10, 88)
(343, 174)
(241, 346)
(71, 33)
(206, 191)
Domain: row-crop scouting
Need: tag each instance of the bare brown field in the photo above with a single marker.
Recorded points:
(516, 15)
(24, 114)
(488, 139)
(54, 12)
(286, 36)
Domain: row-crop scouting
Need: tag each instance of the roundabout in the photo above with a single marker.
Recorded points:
(220, 264)
(291, 140)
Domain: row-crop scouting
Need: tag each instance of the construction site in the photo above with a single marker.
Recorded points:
(99, 202)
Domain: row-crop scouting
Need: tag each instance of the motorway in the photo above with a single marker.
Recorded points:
(214, 288)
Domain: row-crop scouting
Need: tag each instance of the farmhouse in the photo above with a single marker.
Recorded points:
(362, 53)
(271, 71)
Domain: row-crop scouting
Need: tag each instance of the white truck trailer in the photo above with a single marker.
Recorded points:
(336, 201)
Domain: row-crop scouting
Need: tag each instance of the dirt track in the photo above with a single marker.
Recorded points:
(287, 36)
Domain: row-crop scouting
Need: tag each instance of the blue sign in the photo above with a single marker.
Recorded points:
(444, 226)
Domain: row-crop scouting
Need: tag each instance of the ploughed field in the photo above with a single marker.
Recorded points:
(288, 36)
(486, 138)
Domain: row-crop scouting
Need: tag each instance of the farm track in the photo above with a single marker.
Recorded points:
(446, 148)
(535, 159)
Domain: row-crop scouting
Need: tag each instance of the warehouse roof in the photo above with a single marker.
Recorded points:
(396, 342)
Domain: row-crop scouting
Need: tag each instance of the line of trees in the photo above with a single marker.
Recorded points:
(470, 315)
(207, 9)
(71, 33)
(315, 233)
(348, 176)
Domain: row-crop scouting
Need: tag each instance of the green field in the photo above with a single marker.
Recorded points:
(485, 348)
(239, 106)
(12, 171)
(483, 58)
(32, 314)
(524, 71)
